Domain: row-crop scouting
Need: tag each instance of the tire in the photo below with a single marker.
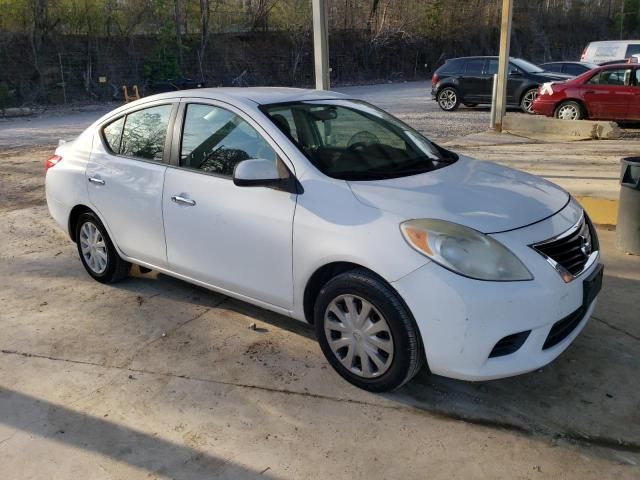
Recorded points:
(448, 99)
(392, 344)
(526, 102)
(569, 110)
(470, 105)
(97, 253)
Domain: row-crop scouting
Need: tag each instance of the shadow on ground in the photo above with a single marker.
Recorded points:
(138, 449)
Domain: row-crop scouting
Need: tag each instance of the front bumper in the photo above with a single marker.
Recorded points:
(544, 107)
(461, 320)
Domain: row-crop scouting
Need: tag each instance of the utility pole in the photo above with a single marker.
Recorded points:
(500, 100)
(321, 43)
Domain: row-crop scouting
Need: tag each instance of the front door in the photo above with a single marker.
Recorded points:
(608, 94)
(125, 174)
(235, 238)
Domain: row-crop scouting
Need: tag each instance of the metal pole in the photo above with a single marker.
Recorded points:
(503, 63)
(494, 93)
(321, 43)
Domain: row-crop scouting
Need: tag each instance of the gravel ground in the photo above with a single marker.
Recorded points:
(412, 103)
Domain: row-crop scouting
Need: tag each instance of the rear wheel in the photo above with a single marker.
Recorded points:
(448, 99)
(366, 332)
(569, 110)
(526, 103)
(97, 253)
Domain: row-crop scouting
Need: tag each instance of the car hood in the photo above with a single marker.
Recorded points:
(481, 195)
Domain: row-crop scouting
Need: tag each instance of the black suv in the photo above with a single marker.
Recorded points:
(469, 81)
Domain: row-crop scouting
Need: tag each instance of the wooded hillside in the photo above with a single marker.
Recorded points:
(65, 50)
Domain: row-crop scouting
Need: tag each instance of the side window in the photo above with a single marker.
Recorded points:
(474, 67)
(113, 134)
(491, 67)
(572, 69)
(451, 66)
(612, 77)
(215, 140)
(637, 74)
(145, 132)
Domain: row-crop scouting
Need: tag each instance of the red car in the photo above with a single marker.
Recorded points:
(604, 93)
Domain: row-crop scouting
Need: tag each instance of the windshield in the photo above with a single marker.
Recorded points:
(526, 66)
(353, 140)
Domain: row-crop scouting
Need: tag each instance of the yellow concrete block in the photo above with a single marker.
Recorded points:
(602, 211)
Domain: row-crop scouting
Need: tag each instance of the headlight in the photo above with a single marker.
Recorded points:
(464, 250)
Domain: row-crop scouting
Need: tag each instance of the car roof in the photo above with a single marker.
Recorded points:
(615, 41)
(619, 65)
(258, 95)
(573, 62)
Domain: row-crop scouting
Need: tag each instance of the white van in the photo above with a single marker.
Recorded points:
(600, 52)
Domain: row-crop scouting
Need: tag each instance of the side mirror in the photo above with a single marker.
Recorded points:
(260, 172)
(515, 73)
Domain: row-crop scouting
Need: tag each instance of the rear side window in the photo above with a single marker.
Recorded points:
(451, 67)
(632, 50)
(145, 132)
(552, 67)
(113, 134)
(474, 67)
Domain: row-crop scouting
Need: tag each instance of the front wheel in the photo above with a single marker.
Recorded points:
(448, 99)
(569, 110)
(97, 253)
(366, 332)
(526, 104)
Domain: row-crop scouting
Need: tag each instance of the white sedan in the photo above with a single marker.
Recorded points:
(331, 211)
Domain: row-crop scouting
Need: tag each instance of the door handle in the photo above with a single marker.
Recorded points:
(183, 201)
(95, 180)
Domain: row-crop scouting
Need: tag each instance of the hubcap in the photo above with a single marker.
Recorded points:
(359, 336)
(568, 112)
(447, 99)
(93, 248)
(527, 101)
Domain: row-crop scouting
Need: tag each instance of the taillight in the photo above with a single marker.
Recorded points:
(434, 79)
(52, 162)
(584, 55)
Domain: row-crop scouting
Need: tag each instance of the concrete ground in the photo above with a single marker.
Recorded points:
(155, 378)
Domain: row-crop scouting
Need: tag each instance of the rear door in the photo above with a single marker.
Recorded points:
(473, 81)
(608, 94)
(125, 176)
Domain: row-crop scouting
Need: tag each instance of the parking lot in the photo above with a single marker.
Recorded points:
(156, 378)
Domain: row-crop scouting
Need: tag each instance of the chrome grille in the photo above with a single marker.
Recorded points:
(572, 249)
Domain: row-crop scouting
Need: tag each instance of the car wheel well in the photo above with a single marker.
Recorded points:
(526, 89)
(585, 112)
(320, 278)
(73, 219)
